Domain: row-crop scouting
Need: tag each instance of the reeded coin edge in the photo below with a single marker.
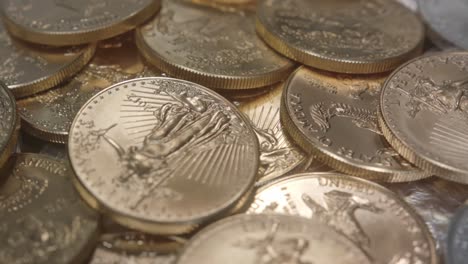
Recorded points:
(414, 215)
(427, 164)
(84, 36)
(54, 79)
(161, 227)
(215, 81)
(41, 133)
(9, 148)
(333, 64)
(337, 162)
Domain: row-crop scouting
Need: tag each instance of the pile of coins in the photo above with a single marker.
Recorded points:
(234, 131)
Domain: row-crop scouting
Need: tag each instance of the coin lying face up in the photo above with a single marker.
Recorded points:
(333, 117)
(278, 154)
(162, 155)
(424, 113)
(9, 124)
(28, 69)
(43, 220)
(49, 115)
(70, 22)
(275, 239)
(383, 226)
(457, 240)
(213, 47)
(343, 36)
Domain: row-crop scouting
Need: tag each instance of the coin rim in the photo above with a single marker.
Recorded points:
(320, 61)
(13, 133)
(419, 160)
(216, 81)
(82, 36)
(336, 175)
(335, 161)
(157, 226)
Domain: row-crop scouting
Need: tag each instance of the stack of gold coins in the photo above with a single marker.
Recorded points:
(233, 131)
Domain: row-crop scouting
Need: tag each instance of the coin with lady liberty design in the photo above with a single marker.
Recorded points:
(270, 239)
(70, 22)
(355, 208)
(334, 118)
(423, 113)
(162, 155)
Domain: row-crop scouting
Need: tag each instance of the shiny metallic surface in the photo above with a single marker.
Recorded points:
(254, 239)
(457, 242)
(50, 114)
(333, 117)
(447, 18)
(162, 155)
(365, 36)
(278, 153)
(424, 113)
(43, 218)
(214, 47)
(9, 124)
(383, 226)
(28, 69)
(68, 22)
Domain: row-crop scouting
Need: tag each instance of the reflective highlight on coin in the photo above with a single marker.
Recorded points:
(213, 47)
(457, 241)
(278, 154)
(424, 113)
(9, 124)
(28, 69)
(69, 22)
(361, 210)
(333, 117)
(253, 239)
(43, 218)
(49, 115)
(162, 155)
(364, 36)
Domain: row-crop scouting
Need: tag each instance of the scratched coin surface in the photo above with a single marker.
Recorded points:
(333, 117)
(278, 154)
(447, 18)
(361, 210)
(424, 113)
(49, 115)
(457, 241)
(216, 48)
(272, 239)
(69, 22)
(162, 155)
(28, 69)
(9, 124)
(363, 36)
(43, 219)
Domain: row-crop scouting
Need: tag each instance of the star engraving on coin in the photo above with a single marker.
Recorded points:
(342, 36)
(68, 22)
(356, 208)
(49, 115)
(424, 113)
(215, 48)
(270, 239)
(278, 154)
(43, 218)
(334, 117)
(170, 143)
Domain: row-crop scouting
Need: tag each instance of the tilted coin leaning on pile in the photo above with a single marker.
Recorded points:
(234, 131)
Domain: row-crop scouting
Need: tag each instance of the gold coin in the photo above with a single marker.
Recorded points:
(209, 46)
(9, 124)
(43, 219)
(50, 114)
(28, 69)
(383, 226)
(278, 154)
(333, 117)
(162, 155)
(275, 239)
(69, 22)
(364, 36)
(424, 113)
